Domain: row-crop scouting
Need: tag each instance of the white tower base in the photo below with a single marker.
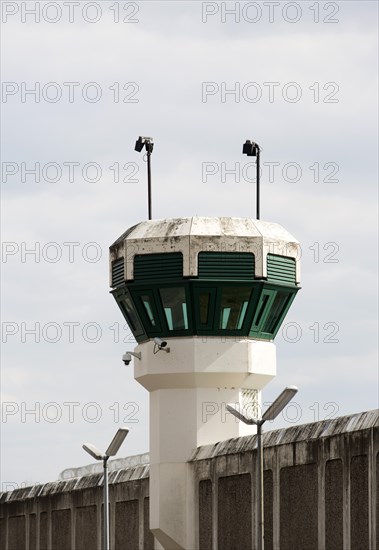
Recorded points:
(189, 389)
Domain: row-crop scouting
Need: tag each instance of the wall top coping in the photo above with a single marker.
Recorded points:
(284, 436)
(97, 467)
(76, 484)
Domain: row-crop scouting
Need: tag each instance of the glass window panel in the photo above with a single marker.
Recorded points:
(184, 306)
(130, 313)
(225, 313)
(175, 307)
(275, 312)
(262, 307)
(168, 314)
(234, 301)
(147, 305)
(242, 315)
(204, 299)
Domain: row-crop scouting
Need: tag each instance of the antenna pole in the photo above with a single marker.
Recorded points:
(258, 181)
(148, 144)
(148, 149)
(252, 149)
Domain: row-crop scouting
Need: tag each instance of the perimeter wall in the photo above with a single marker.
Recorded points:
(321, 486)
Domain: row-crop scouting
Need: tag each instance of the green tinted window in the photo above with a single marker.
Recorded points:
(261, 308)
(130, 314)
(234, 301)
(175, 307)
(146, 301)
(276, 310)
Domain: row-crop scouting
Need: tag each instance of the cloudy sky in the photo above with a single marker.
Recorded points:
(81, 81)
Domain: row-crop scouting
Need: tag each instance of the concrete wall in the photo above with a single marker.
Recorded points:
(321, 492)
(68, 514)
(321, 488)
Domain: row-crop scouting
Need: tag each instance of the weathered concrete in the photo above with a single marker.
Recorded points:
(193, 235)
(113, 464)
(68, 514)
(321, 492)
(321, 485)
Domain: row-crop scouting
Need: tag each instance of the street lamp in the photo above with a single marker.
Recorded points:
(252, 149)
(112, 450)
(148, 143)
(272, 412)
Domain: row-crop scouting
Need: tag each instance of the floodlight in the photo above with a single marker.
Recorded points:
(139, 145)
(93, 451)
(250, 148)
(117, 441)
(240, 416)
(144, 141)
(246, 148)
(280, 402)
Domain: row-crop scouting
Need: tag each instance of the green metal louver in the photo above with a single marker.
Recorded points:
(118, 272)
(281, 269)
(226, 265)
(150, 267)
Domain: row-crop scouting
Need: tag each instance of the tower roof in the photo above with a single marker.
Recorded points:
(223, 226)
(198, 234)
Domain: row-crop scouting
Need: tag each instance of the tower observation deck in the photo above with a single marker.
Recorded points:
(205, 276)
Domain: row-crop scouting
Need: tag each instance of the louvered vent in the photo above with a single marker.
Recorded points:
(226, 265)
(149, 267)
(281, 269)
(118, 272)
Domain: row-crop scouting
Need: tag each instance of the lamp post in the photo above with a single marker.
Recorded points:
(272, 412)
(112, 450)
(252, 149)
(148, 143)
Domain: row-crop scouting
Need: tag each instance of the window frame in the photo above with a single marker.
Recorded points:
(205, 328)
(215, 288)
(139, 334)
(149, 327)
(187, 302)
(193, 288)
(161, 328)
(271, 290)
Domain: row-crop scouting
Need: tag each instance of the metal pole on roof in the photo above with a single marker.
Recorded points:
(148, 143)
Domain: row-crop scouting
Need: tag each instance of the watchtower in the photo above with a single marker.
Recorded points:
(217, 291)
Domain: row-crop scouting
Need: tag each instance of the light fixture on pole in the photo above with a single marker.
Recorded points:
(112, 450)
(272, 412)
(148, 143)
(252, 149)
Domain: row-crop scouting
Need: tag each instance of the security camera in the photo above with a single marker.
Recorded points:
(160, 343)
(127, 357)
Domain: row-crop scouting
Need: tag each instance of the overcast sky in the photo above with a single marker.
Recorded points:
(300, 78)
